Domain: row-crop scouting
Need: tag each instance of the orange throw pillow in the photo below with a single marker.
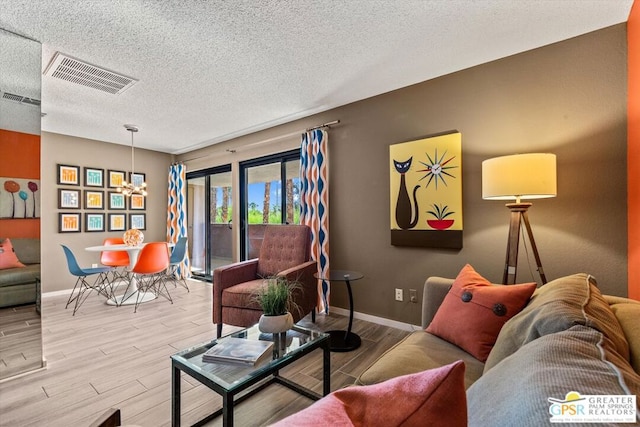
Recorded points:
(474, 311)
(435, 398)
(8, 258)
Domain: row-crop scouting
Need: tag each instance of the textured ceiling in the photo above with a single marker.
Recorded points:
(212, 70)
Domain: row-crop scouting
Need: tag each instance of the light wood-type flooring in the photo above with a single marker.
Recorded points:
(20, 340)
(108, 356)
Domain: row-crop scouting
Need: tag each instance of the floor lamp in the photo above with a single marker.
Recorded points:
(518, 177)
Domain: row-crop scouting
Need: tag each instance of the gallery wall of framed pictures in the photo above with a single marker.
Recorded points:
(88, 200)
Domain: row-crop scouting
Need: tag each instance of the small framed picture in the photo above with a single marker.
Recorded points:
(117, 222)
(138, 221)
(115, 178)
(93, 199)
(93, 177)
(68, 222)
(137, 202)
(137, 179)
(117, 201)
(93, 222)
(68, 199)
(68, 175)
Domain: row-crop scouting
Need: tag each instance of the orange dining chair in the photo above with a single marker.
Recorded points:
(119, 260)
(150, 271)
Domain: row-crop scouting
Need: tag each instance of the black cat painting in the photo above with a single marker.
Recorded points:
(406, 213)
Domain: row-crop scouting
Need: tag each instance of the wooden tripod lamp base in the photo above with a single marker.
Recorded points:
(518, 217)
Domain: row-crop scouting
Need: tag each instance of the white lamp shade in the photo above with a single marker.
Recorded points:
(520, 176)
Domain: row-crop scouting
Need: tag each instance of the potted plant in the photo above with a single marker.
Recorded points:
(275, 298)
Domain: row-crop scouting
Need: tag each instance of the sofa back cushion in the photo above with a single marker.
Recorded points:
(627, 312)
(28, 250)
(578, 360)
(555, 307)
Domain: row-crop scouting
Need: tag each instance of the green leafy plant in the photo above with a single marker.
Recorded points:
(275, 296)
(440, 212)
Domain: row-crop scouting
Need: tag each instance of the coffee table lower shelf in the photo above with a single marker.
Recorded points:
(274, 380)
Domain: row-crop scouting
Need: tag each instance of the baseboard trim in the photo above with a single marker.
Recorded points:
(377, 320)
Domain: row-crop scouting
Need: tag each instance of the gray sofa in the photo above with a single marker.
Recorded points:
(21, 285)
(569, 338)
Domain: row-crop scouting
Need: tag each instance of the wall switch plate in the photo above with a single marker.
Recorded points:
(399, 294)
(413, 295)
(94, 265)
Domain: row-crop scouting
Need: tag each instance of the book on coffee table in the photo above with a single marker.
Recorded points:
(237, 350)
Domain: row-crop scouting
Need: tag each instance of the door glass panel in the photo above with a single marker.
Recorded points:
(196, 225)
(221, 211)
(292, 195)
(271, 192)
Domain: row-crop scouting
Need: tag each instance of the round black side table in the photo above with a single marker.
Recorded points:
(341, 341)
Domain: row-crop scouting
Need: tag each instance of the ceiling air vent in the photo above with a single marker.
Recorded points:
(20, 99)
(77, 71)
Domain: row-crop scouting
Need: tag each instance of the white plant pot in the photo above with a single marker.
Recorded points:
(275, 324)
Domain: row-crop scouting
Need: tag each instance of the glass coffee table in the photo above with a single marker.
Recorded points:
(229, 379)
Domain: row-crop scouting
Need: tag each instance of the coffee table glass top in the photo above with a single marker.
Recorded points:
(230, 375)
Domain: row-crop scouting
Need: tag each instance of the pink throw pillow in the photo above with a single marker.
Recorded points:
(474, 311)
(8, 258)
(435, 397)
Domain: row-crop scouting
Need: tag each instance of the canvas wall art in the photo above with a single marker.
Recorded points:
(426, 192)
(19, 198)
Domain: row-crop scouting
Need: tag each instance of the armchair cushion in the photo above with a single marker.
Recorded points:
(283, 246)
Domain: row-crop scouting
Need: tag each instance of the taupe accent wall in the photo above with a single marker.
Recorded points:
(568, 98)
(69, 150)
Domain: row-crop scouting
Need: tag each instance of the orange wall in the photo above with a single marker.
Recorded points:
(20, 158)
(633, 149)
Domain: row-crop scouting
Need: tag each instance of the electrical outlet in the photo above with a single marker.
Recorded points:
(413, 295)
(94, 265)
(399, 294)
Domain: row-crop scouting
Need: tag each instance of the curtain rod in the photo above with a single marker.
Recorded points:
(264, 141)
(324, 125)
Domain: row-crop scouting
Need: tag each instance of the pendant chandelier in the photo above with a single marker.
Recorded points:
(132, 187)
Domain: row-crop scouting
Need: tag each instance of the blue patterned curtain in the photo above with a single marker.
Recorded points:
(314, 204)
(177, 213)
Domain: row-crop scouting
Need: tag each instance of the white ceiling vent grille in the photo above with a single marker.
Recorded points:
(20, 99)
(77, 71)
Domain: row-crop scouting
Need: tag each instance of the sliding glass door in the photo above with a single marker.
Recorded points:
(209, 213)
(270, 193)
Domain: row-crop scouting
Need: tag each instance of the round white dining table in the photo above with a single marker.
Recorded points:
(130, 295)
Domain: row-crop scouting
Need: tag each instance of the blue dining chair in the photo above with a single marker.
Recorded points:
(102, 285)
(177, 256)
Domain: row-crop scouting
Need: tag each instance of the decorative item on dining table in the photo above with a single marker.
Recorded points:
(276, 301)
(133, 237)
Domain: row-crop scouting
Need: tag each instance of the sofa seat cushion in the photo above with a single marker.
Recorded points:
(242, 295)
(557, 306)
(19, 276)
(430, 398)
(579, 359)
(474, 311)
(417, 352)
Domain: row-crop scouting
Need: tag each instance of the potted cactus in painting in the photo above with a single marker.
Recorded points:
(440, 213)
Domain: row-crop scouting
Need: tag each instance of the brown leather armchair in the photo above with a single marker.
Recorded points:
(286, 252)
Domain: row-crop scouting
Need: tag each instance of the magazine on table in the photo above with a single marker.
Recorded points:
(237, 350)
